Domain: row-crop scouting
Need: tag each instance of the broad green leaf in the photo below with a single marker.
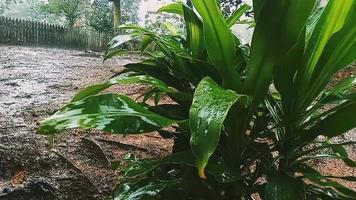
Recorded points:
(338, 53)
(339, 91)
(134, 29)
(314, 174)
(275, 34)
(337, 123)
(316, 116)
(284, 187)
(146, 189)
(341, 151)
(257, 7)
(114, 44)
(317, 178)
(346, 160)
(313, 20)
(195, 36)
(146, 41)
(204, 69)
(173, 49)
(118, 52)
(174, 8)
(119, 40)
(219, 42)
(284, 78)
(108, 112)
(124, 79)
(171, 28)
(211, 103)
(331, 21)
(174, 45)
(322, 147)
(275, 111)
(324, 182)
(237, 14)
(156, 69)
(218, 168)
(171, 111)
(315, 192)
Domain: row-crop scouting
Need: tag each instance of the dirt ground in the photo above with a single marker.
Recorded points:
(34, 83)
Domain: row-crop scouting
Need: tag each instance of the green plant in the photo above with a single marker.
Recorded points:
(243, 136)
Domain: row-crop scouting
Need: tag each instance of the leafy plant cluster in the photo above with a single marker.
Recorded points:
(245, 118)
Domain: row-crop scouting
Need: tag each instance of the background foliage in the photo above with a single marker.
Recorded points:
(245, 119)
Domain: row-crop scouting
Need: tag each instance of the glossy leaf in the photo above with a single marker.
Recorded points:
(314, 174)
(108, 112)
(211, 103)
(174, 8)
(113, 46)
(312, 21)
(339, 91)
(146, 42)
(274, 36)
(118, 52)
(338, 53)
(257, 7)
(147, 189)
(320, 180)
(237, 14)
(331, 21)
(218, 168)
(124, 79)
(284, 187)
(337, 123)
(195, 36)
(346, 160)
(219, 42)
(284, 75)
(316, 116)
(323, 147)
(315, 192)
(119, 40)
(172, 111)
(157, 70)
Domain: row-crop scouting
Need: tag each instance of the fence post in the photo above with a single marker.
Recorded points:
(18, 31)
(2, 29)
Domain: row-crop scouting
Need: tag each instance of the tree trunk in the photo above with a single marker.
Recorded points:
(117, 14)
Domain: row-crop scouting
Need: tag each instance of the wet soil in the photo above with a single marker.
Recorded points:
(34, 83)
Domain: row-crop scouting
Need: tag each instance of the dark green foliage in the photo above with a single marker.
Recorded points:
(231, 128)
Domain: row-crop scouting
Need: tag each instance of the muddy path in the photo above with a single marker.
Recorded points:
(34, 83)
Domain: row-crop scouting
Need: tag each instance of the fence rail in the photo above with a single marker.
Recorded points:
(22, 32)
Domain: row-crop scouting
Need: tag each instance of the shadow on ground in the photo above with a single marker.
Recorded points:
(34, 83)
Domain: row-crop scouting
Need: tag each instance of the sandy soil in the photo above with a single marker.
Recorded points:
(34, 83)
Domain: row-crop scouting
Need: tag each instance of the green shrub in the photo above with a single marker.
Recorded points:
(235, 135)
